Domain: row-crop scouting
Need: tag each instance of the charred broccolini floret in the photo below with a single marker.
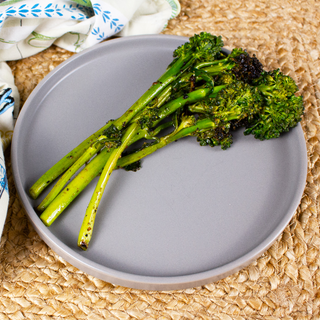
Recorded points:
(220, 136)
(225, 69)
(243, 66)
(237, 101)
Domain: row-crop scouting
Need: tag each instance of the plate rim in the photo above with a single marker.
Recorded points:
(129, 279)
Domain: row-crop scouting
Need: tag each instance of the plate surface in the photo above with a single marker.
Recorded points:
(192, 215)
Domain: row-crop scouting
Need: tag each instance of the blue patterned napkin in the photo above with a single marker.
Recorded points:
(9, 106)
(30, 26)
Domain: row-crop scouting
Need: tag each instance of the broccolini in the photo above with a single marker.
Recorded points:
(203, 93)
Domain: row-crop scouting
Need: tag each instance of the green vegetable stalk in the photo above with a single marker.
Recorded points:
(88, 222)
(85, 157)
(74, 188)
(64, 163)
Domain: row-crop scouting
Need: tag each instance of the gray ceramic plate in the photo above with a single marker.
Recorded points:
(191, 215)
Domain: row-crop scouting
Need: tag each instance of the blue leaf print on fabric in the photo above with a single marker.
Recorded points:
(96, 8)
(35, 13)
(105, 16)
(118, 28)
(35, 10)
(95, 31)
(23, 11)
(11, 11)
(48, 10)
(3, 180)
(101, 36)
(113, 23)
(58, 11)
(6, 101)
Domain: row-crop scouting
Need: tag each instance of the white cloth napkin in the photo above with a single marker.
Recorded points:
(30, 26)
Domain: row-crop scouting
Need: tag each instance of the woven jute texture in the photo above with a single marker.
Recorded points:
(281, 284)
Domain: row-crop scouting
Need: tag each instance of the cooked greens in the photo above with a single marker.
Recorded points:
(204, 93)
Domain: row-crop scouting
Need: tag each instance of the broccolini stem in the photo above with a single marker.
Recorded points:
(74, 188)
(85, 157)
(64, 163)
(211, 67)
(86, 230)
(178, 103)
(191, 97)
(173, 105)
(84, 177)
(204, 124)
(88, 221)
(217, 68)
(165, 94)
(169, 76)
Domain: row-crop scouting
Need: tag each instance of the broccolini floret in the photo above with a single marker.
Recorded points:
(235, 102)
(281, 108)
(276, 118)
(204, 47)
(276, 85)
(243, 66)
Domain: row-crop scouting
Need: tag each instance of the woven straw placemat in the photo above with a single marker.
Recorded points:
(282, 284)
